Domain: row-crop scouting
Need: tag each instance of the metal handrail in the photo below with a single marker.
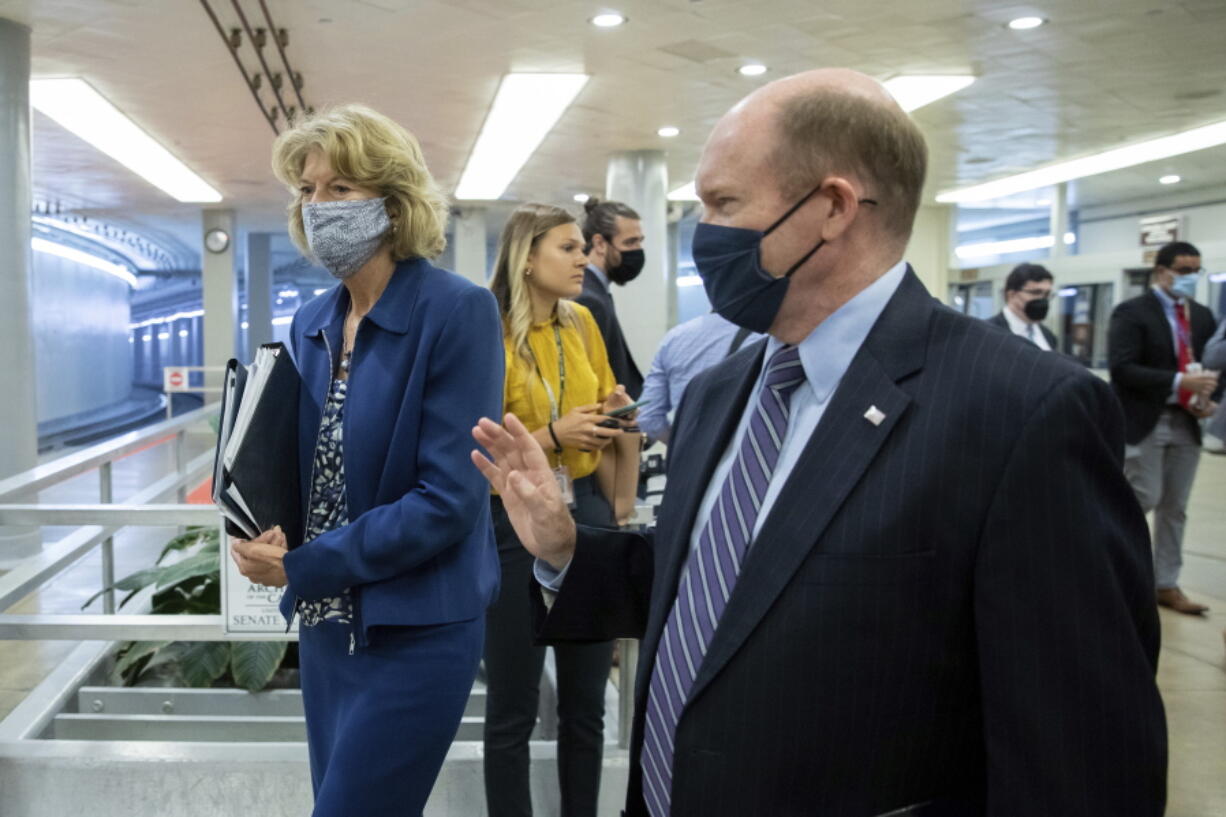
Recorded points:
(96, 456)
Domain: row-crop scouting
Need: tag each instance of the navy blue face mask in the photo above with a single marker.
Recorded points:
(729, 261)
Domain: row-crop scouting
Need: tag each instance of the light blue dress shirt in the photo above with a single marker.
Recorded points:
(686, 351)
(825, 356)
(1168, 307)
(600, 275)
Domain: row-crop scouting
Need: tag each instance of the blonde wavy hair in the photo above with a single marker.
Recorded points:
(520, 236)
(367, 148)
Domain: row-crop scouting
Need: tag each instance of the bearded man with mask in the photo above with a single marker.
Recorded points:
(614, 236)
(1027, 298)
(897, 568)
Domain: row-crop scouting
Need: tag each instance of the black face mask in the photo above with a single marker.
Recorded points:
(1036, 310)
(629, 268)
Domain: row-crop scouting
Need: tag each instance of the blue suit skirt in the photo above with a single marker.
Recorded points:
(380, 721)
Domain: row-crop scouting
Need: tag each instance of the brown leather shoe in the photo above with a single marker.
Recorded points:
(1174, 598)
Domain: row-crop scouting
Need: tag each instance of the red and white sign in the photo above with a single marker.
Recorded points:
(175, 379)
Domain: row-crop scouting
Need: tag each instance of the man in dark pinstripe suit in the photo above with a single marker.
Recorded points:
(898, 569)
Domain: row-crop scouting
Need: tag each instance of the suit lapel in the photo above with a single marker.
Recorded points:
(1159, 320)
(711, 417)
(841, 448)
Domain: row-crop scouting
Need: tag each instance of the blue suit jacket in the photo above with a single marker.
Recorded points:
(427, 364)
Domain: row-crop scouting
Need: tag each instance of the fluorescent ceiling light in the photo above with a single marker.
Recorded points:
(525, 109)
(78, 108)
(81, 257)
(1218, 277)
(914, 92)
(610, 20)
(1026, 23)
(689, 280)
(321, 290)
(754, 69)
(1138, 153)
(284, 320)
(668, 132)
(288, 293)
(1038, 242)
(183, 333)
(1171, 179)
(178, 316)
(684, 193)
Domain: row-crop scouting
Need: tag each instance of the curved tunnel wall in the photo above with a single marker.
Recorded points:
(83, 356)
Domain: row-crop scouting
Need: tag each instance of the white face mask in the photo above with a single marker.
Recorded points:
(344, 235)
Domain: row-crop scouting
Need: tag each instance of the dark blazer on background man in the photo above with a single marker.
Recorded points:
(952, 610)
(1143, 360)
(597, 298)
(1000, 320)
(427, 364)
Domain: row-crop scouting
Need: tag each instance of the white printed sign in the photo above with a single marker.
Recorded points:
(248, 608)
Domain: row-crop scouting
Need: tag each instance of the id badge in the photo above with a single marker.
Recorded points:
(566, 487)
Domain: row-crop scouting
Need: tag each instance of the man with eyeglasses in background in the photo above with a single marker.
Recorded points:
(1028, 291)
(1155, 345)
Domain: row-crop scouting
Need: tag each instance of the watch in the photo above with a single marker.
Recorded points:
(216, 240)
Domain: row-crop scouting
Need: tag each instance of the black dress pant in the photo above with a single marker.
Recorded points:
(513, 667)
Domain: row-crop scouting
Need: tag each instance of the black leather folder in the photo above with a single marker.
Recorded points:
(256, 467)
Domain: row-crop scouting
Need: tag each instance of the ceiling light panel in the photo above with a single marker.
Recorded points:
(1138, 153)
(78, 108)
(525, 109)
(914, 92)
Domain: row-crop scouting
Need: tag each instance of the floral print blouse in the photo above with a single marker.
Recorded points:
(328, 507)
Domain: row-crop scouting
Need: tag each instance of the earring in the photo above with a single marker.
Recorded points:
(527, 273)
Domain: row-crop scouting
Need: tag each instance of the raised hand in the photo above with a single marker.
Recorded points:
(519, 471)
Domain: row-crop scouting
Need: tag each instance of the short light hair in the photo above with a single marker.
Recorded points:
(367, 148)
(520, 236)
(826, 131)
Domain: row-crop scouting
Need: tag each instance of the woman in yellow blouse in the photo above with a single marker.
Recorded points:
(560, 385)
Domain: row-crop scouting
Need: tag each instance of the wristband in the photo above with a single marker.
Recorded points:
(557, 446)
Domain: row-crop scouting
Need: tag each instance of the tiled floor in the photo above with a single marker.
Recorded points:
(1192, 674)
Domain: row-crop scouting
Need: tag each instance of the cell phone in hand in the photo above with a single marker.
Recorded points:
(624, 410)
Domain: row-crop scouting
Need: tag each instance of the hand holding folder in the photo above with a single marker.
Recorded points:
(255, 469)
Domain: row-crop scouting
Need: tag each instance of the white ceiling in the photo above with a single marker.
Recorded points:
(1102, 73)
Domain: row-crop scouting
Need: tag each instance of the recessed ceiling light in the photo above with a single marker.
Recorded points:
(1137, 153)
(1171, 179)
(916, 91)
(582, 197)
(1026, 23)
(78, 108)
(609, 20)
(753, 69)
(525, 109)
(668, 132)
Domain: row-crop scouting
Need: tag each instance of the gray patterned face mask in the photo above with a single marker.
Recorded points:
(344, 235)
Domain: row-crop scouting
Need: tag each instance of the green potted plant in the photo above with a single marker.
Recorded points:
(192, 586)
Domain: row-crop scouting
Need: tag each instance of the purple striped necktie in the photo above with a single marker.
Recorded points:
(711, 572)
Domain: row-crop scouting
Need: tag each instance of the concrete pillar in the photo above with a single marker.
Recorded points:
(469, 242)
(18, 413)
(931, 247)
(639, 178)
(1059, 220)
(220, 297)
(259, 291)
